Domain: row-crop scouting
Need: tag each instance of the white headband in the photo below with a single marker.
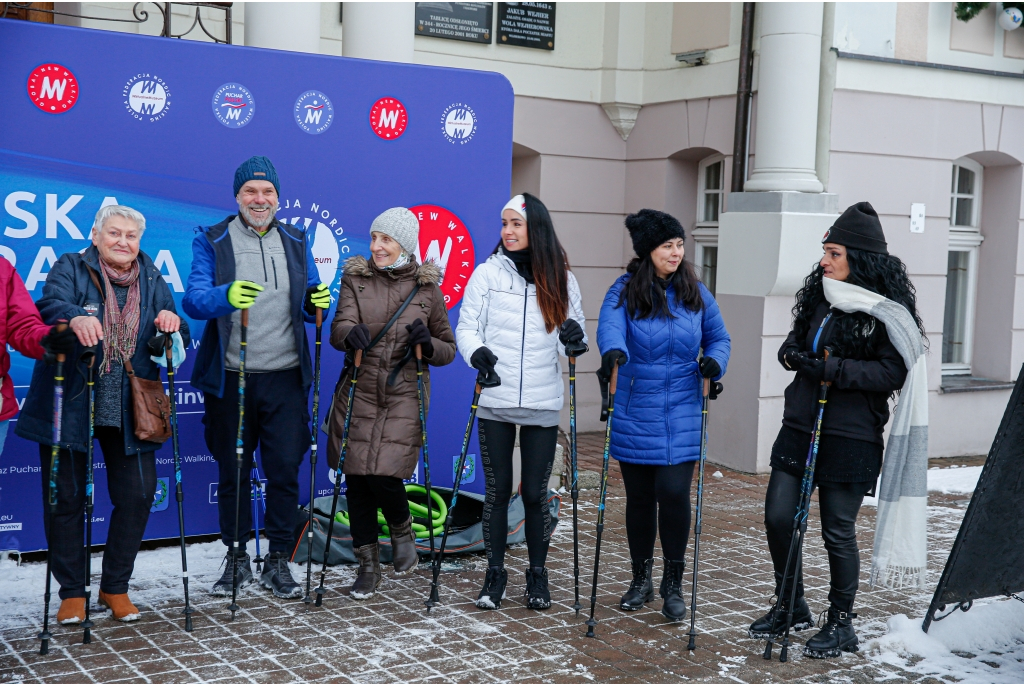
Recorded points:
(516, 204)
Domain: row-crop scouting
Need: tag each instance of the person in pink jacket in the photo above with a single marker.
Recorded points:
(22, 328)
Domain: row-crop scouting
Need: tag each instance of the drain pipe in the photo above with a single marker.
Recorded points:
(741, 136)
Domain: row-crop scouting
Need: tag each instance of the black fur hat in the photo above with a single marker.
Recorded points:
(649, 228)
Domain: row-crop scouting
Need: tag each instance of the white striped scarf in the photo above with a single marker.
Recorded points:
(900, 555)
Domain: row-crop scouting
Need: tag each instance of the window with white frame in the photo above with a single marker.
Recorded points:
(962, 266)
(710, 204)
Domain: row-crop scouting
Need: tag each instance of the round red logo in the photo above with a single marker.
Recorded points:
(445, 240)
(53, 88)
(388, 118)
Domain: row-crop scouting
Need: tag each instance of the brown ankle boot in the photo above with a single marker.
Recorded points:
(72, 610)
(403, 548)
(369, 578)
(120, 606)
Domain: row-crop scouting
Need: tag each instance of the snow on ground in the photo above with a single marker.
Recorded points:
(984, 645)
(949, 481)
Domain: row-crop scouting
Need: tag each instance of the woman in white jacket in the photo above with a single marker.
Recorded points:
(521, 309)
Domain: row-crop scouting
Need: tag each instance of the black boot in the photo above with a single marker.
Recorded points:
(641, 590)
(836, 637)
(277, 576)
(222, 588)
(494, 588)
(537, 594)
(761, 629)
(403, 548)
(369, 578)
(674, 607)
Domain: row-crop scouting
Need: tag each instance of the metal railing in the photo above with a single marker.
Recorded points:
(140, 16)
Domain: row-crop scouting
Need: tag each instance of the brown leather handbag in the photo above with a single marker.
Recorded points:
(150, 404)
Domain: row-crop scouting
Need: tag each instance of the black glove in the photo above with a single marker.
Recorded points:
(709, 368)
(58, 342)
(483, 360)
(157, 343)
(608, 360)
(715, 390)
(811, 368)
(791, 359)
(419, 335)
(571, 332)
(358, 338)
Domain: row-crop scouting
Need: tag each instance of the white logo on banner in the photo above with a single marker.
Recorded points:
(458, 123)
(314, 112)
(147, 97)
(325, 233)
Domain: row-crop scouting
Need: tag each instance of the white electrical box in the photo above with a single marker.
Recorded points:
(917, 217)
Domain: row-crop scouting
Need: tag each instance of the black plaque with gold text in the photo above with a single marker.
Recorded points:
(466, 21)
(527, 24)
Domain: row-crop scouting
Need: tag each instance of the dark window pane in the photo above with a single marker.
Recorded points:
(954, 324)
(711, 201)
(965, 182)
(713, 176)
(709, 267)
(964, 215)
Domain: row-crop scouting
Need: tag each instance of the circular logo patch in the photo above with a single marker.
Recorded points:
(445, 240)
(824, 238)
(233, 105)
(458, 123)
(53, 88)
(314, 112)
(388, 118)
(147, 97)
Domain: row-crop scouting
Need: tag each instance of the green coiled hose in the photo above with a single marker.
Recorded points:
(418, 512)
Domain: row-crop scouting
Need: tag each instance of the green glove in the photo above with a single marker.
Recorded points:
(317, 297)
(242, 294)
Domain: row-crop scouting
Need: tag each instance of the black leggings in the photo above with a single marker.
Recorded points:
(657, 498)
(365, 494)
(537, 447)
(839, 504)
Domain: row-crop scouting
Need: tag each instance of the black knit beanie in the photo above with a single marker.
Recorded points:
(649, 228)
(859, 228)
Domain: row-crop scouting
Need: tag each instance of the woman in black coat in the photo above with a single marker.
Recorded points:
(864, 370)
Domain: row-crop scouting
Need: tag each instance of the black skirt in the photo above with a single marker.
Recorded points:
(840, 459)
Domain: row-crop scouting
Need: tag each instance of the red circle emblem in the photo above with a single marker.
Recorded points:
(445, 240)
(53, 88)
(388, 118)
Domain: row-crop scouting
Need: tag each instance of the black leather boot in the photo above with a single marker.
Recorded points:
(835, 637)
(369, 578)
(761, 629)
(674, 606)
(641, 590)
(403, 548)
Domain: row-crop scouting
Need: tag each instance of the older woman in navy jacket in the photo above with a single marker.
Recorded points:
(655, 321)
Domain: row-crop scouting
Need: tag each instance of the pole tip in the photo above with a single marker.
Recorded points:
(692, 645)
(768, 651)
(784, 654)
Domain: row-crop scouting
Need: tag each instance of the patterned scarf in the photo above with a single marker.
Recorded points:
(120, 327)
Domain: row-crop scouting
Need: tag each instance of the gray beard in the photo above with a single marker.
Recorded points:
(251, 220)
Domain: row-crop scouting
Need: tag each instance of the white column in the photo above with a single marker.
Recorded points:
(379, 30)
(291, 26)
(787, 97)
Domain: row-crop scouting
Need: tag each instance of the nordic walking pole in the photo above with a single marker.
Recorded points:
(179, 494)
(799, 528)
(239, 448)
(592, 623)
(337, 476)
(426, 453)
(89, 356)
(574, 487)
(435, 565)
(700, 504)
(254, 488)
(313, 437)
(58, 415)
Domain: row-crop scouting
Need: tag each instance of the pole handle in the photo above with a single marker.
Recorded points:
(319, 317)
(477, 390)
(61, 327)
(707, 387)
(245, 318)
(358, 358)
(614, 380)
(419, 352)
(828, 353)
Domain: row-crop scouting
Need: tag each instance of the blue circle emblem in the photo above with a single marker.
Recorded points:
(314, 112)
(233, 105)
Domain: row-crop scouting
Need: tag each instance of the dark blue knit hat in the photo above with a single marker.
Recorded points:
(256, 168)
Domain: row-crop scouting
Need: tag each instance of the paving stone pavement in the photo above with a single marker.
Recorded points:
(392, 638)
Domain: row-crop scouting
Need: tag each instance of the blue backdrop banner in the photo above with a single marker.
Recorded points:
(93, 118)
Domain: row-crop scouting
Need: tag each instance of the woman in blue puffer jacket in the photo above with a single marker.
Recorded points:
(655, 321)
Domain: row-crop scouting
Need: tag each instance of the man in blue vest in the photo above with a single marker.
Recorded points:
(252, 261)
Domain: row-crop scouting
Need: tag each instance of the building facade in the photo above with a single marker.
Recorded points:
(898, 104)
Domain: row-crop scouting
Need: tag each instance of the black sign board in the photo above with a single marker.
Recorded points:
(527, 24)
(467, 21)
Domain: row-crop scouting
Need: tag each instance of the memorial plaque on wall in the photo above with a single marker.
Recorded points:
(527, 24)
(468, 21)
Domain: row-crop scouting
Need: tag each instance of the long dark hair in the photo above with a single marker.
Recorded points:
(644, 297)
(856, 334)
(549, 263)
